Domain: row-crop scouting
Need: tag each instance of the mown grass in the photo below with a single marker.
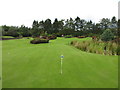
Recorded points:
(38, 66)
(7, 37)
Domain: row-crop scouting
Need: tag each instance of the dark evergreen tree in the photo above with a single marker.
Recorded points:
(56, 26)
(48, 26)
(35, 29)
(107, 35)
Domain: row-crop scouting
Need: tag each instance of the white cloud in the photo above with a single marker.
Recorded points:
(17, 12)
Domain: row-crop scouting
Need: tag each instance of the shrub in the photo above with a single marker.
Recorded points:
(68, 36)
(81, 36)
(38, 40)
(90, 34)
(51, 37)
(107, 35)
(118, 50)
(44, 37)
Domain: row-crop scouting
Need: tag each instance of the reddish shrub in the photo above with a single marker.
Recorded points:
(81, 36)
(94, 37)
(38, 40)
(52, 37)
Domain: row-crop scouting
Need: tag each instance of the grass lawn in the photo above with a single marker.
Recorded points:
(38, 66)
(7, 37)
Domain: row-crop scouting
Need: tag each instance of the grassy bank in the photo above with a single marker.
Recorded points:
(99, 47)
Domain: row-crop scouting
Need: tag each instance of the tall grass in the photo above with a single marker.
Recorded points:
(97, 47)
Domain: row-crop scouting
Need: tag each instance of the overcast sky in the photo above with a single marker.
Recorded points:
(18, 12)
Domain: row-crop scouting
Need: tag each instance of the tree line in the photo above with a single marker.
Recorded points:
(75, 27)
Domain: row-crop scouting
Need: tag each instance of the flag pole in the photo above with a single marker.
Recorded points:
(61, 65)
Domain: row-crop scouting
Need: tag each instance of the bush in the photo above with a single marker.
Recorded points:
(91, 34)
(68, 36)
(118, 50)
(38, 40)
(107, 35)
(81, 36)
(51, 37)
(43, 37)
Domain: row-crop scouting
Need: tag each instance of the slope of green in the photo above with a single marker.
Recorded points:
(38, 66)
(7, 37)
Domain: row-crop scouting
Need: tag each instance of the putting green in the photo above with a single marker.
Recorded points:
(38, 66)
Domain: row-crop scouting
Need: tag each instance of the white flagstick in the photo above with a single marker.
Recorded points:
(61, 62)
(61, 65)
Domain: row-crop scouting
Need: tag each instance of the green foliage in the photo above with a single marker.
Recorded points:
(75, 27)
(118, 50)
(107, 35)
(57, 26)
(35, 29)
(24, 31)
(67, 31)
(16, 31)
(91, 34)
(68, 36)
(39, 40)
(51, 37)
(48, 26)
(81, 36)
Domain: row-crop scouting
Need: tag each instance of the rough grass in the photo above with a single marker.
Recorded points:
(38, 66)
(97, 47)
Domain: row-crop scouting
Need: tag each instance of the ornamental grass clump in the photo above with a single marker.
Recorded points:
(98, 47)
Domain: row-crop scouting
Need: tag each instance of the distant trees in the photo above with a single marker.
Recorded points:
(15, 31)
(74, 27)
(10, 30)
(23, 31)
(105, 22)
(48, 26)
(69, 27)
(35, 31)
(5, 29)
(56, 26)
(114, 22)
(118, 28)
(77, 24)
